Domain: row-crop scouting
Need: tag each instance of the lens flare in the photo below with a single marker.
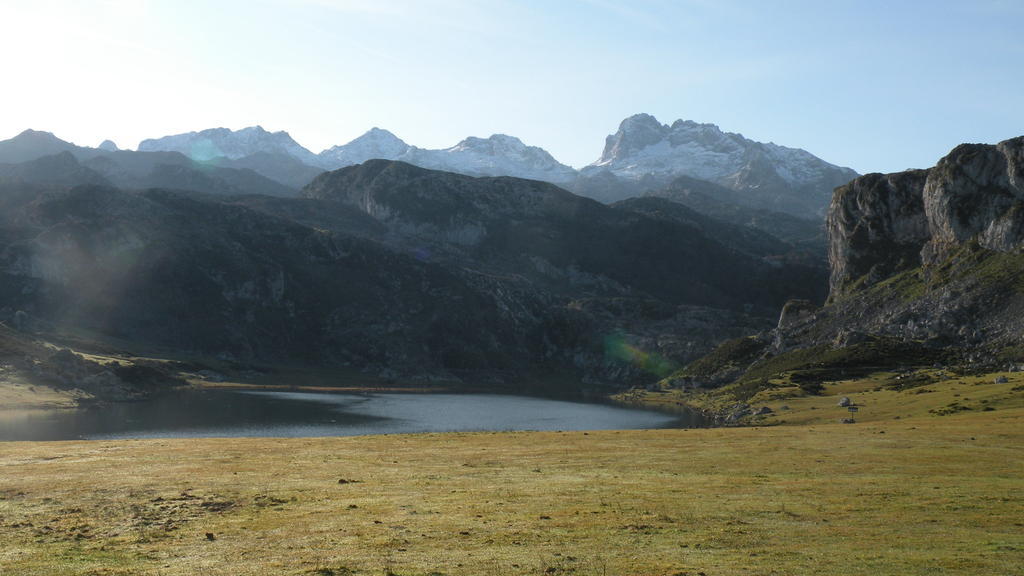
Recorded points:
(204, 150)
(617, 348)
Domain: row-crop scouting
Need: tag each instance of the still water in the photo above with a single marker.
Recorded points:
(306, 414)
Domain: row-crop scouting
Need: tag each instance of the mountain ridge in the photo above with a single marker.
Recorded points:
(642, 156)
(132, 169)
(365, 270)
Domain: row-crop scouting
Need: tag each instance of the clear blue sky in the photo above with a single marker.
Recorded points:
(877, 86)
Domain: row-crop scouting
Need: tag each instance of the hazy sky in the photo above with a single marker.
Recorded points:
(877, 86)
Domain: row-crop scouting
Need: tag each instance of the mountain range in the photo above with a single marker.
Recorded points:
(133, 170)
(386, 268)
(643, 156)
(400, 271)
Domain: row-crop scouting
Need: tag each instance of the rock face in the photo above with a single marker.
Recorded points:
(927, 271)
(787, 179)
(877, 226)
(883, 224)
(977, 191)
(928, 258)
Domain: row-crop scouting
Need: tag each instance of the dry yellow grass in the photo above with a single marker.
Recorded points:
(924, 495)
(16, 394)
(874, 396)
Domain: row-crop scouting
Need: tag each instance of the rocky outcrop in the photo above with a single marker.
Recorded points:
(927, 269)
(977, 193)
(880, 225)
(794, 311)
(877, 226)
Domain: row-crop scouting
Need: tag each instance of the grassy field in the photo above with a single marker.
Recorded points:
(879, 397)
(929, 480)
(921, 495)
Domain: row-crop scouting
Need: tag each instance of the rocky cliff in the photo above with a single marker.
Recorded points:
(929, 257)
(927, 270)
(880, 225)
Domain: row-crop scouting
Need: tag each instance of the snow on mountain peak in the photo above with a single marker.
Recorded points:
(375, 143)
(645, 150)
(643, 146)
(497, 155)
(233, 144)
(496, 144)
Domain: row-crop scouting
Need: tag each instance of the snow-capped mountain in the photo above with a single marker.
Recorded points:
(376, 143)
(499, 155)
(789, 179)
(231, 144)
(641, 157)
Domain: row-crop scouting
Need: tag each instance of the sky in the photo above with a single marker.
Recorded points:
(876, 86)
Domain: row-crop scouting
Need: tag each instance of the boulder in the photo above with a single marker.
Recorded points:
(738, 412)
(794, 311)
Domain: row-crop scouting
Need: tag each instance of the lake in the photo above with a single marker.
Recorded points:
(222, 413)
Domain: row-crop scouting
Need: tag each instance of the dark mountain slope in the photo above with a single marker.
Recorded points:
(389, 269)
(189, 274)
(279, 167)
(59, 170)
(745, 239)
(727, 205)
(557, 239)
(137, 170)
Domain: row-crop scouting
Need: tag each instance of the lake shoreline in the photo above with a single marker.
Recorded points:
(253, 411)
